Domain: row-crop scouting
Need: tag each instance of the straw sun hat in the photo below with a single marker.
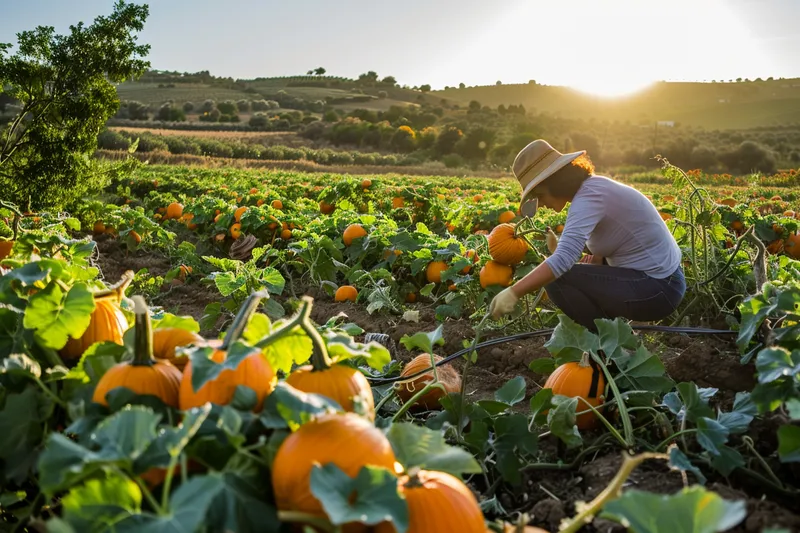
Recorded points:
(537, 162)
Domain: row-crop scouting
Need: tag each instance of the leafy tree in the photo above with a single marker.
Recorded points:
(168, 113)
(138, 111)
(227, 107)
(243, 106)
(389, 80)
(369, 77)
(499, 82)
(476, 144)
(403, 139)
(188, 107)
(319, 71)
(425, 88)
(65, 86)
(383, 94)
(447, 140)
(474, 106)
(259, 120)
(207, 106)
(461, 86)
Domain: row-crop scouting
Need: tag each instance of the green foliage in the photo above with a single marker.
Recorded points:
(65, 87)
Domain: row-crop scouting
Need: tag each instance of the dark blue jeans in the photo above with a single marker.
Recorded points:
(586, 292)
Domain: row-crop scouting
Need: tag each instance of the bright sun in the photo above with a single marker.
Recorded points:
(610, 48)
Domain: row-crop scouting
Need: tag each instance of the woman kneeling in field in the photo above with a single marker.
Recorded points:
(634, 270)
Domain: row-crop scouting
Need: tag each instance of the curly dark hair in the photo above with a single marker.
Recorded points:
(565, 182)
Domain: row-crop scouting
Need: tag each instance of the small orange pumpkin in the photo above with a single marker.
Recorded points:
(108, 322)
(366, 183)
(253, 371)
(398, 202)
(494, 273)
(277, 204)
(99, 228)
(325, 208)
(579, 380)
(166, 340)
(506, 217)
(352, 232)
(440, 502)
(240, 211)
(346, 293)
(505, 246)
(448, 376)
(142, 375)
(236, 231)
(174, 210)
(792, 245)
(434, 271)
(5, 248)
(340, 382)
(344, 439)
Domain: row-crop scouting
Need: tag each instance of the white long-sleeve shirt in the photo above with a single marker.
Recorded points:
(619, 223)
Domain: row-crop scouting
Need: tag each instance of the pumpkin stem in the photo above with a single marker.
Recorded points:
(117, 289)
(319, 354)
(413, 478)
(143, 334)
(242, 318)
(584, 362)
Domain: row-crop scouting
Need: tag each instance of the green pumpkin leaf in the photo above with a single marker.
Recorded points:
(642, 371)
(168, 320)
(689, 402)
(513, 441)
(289, 407)
(96, 361)
(727, 460)
(56, 316)
(562, 420)
(240, 504)
(272, 280)
(293, 348)
(570, 340)
(678, 459)
(342, 347)
(543, 365)
(22, 431)
(99, 503)
(372, 497)
(512, 392)
(418, 446)
(171, 441)
(188, 506)
(614, 336)
(692, 510)
(711, 434)
(789, 443)
(540, 404)
(229, 282)
(424, 341)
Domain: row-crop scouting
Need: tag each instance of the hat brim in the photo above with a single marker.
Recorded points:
(554, 167)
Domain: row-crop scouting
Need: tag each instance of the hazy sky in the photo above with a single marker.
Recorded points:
(604, 46)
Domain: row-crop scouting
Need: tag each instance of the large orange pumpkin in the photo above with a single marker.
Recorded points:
(166, 340)
(434, 271)
(438, 502)
(505, 247)
(506, 217)
(494, 273)
(254, 371)
(341, 383)
(108, 322)
(325, 208)
(142, 375)
(448, 376)
(344, 439)
(579, 380)
(353, 231)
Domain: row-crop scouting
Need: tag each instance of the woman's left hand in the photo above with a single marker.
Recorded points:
(592, 259)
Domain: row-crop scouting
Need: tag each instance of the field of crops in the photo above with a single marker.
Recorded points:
(247, 350)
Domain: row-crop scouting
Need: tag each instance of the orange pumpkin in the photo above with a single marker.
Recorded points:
(775, 247)
(341, 383)
(411, 297)
(237, 215)
(505, 247)
(143, 375)
(477, 198)
(448, 376)
(352, 232)
(506, 217)
(253, 371)
(277, 204)
(398, 202)
(434, 271)
(108, 322)
(325, 208)
(792, 245)
(730, 202)
(366, 183)
(286, 234)
(440, 502)
(99, 228)
(494, 273)
(579, 380)
(664, 216)
(166, 340)
(344, 439)
(174, 210)
(236, 231)
(5, 248)
(346, 293)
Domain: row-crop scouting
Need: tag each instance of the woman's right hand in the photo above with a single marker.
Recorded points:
(591, 259)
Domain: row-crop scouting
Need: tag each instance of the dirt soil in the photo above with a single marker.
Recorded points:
(547, 496)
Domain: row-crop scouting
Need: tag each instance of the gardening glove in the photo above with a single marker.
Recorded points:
(503, 303)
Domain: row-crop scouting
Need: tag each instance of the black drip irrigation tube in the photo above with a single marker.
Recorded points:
(542, 333)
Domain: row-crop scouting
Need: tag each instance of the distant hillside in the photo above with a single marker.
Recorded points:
(709, 105)
(155, 89)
